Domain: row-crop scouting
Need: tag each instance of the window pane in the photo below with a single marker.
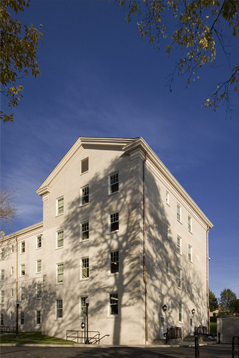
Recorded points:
(60, 206)
(83, 307)
(85, 268)
(85, 195)
(60, 238)
(114, 261)
(114, 183)
(85, 230)
(114, 222)
(114, 303)
(59, 308)
(60, 272)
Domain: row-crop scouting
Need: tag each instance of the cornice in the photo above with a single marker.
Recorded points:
(81, 142)
(24, 231)
(141, 145)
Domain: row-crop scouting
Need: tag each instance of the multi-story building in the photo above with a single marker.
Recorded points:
(119, 230)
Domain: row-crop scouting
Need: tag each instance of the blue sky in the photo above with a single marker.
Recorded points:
(99, 78)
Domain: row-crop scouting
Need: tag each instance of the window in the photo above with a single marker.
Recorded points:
(2, 296)
(22, 317)
(2, 319)
(114, 261)
(12, 248)
(39, 290)
(189, 253)
(39, 242)
(113, 183)
(85, 268)
(189, 223)
(3, 254)
(23, 247)
(38, 265)
(179, 278)
(23, 293)
(60, 273)
(180, 312)
(83, 308)
(11, 316)
(38, 315)
(2, 275)
(114, 222)
(12, 270)
(168, 233)
(60, 206)
(60, 238)
(168, 268)
(85, 195)
(179, 245)
(12, 292)
(85, 230)
(22, 271)
(113, 304)
(179, 216)
(59, 308)
(167, 197)
(84, 165)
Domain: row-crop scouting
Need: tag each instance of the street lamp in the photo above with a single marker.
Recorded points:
(17, 308)
(87, 327)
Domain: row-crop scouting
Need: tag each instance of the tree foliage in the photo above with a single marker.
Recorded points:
(197, 27)
(18, 52)
(235, 306)
(213, 303)
(227, 298)
(7, 207)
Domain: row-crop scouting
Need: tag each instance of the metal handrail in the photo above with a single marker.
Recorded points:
(99, 339)
(81, 335)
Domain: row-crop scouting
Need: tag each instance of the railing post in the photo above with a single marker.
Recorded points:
(197, 355)
(233, 346)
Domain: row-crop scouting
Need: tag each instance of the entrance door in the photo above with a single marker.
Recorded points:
(162, 328)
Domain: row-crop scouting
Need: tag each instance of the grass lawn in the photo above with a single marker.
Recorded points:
(213, 327)
(31, 338)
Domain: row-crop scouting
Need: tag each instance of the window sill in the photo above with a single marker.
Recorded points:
(168, 204)
(179, 253)
(113, 273)
(57, 215)
(82, 205)
(87, 171)
(113, 232)
(59, 283)
(115, 192)
(190, 232)
(84, 279)
(85, 240)
(58, 248)
(113, 316)
(180, 222)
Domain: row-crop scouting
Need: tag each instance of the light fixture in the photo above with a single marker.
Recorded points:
(193, 310)
(164, 308)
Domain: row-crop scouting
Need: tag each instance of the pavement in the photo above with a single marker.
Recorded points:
(100, 351)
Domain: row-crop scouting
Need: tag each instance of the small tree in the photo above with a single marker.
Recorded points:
(7, 207)
(235, 306)
(17, 52)
(227, 299)
(213, 303)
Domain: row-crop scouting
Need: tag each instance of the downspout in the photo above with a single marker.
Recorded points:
(144, 261)
(207, 281)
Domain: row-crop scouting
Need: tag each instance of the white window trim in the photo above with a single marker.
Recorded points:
(38, 248)
(113, 273)
(81, 165)
(37, 266)
(191, 224)
(109, 222)
(57, 282)
(59, 318)
(167, 198)
(181, 278)
(38, 324)
(21, 242)
(60, 247)
(180, 213)
(109, 306)
(81, 277)
(81, 232)
(181, 312)
(21, 270)
(57, 200)
(109, 183)
(81, 196)
(180, 246)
